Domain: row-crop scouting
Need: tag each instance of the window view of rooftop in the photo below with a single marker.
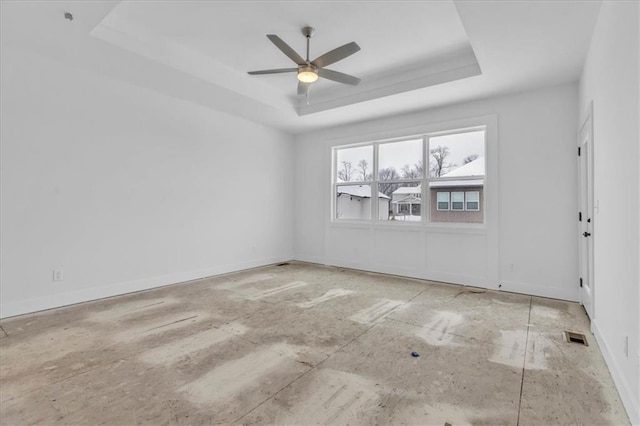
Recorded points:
(455, 179)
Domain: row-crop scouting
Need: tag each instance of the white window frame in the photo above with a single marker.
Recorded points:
(448, 201)
(429, 132)
(451, 197)
(374, 184)
(335, 194)
(466, 201)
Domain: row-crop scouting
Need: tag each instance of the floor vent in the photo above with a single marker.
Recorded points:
(283, 264)
(576, 338)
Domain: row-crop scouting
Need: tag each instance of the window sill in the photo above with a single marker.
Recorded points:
(459, 228)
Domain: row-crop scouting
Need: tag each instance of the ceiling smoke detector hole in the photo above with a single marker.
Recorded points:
(576, 338)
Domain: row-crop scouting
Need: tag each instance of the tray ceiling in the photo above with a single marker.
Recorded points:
(415, 55)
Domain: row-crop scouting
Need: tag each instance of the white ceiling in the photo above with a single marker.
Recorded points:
(415, 55)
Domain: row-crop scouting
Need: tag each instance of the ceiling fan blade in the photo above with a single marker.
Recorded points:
(336, 55)
(340, 77)
(286, 49)
(274, 71)
(303, 88)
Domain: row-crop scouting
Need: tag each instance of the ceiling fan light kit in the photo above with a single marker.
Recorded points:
(308, 74)
(309, 71)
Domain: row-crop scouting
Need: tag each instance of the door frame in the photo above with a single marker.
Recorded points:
(586, 213)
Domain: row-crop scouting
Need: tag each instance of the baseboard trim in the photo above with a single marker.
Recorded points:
(623, 386)
(540, 290)
(310, 259)
(449, 278)
(28, 306)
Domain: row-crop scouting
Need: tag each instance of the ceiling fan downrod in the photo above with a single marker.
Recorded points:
(308, 33)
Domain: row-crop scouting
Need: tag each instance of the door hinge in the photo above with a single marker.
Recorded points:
(579, 216)
(580, 282)
(578, 151)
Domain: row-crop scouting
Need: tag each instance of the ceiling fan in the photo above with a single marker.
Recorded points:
(309, 71)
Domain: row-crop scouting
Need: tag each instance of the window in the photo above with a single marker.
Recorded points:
(472, 200)
(443, 201)
(457, 201)
(457, 168)
(386, 180)
(355, 164)
(460, 201)
(400, 160)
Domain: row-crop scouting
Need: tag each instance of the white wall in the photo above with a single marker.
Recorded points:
(532, 226)
(610, 80)
(126, 189)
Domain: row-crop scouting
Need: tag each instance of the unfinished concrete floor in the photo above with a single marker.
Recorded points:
(305, 344)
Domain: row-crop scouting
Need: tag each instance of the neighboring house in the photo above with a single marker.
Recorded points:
(452, 200)
(354, 202)
(459, 200)
(406, 203)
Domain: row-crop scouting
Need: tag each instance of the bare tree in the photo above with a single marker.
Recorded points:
(469, 158)
(440, 154)
(363, 167)
(390, 173)
(415, 172)
(345, 173)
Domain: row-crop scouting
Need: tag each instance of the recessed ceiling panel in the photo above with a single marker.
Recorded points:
(415, 54)
(403, 44)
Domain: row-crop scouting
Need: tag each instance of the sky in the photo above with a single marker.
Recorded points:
(397, 154)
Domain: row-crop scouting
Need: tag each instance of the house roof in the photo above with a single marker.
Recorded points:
(362, 191)
(472, 168)
(410, 198)
(408, 190)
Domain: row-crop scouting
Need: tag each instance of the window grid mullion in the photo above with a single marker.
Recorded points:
(464, 197)
(426, 200)
(375, 206)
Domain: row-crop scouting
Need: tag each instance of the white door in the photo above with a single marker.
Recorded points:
(585, 215)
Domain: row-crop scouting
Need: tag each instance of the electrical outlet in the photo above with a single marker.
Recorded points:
(626, 346)
(58, 275)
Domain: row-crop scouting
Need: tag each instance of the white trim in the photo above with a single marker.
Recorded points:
(437, 276)
(425, 211)
(588, 214)
(461, 209)
(448, 201)
(425, 181)
(619, 379)
(550, 290)
(365, 259)
(59, 300)
(466, 202)
(375, 207)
